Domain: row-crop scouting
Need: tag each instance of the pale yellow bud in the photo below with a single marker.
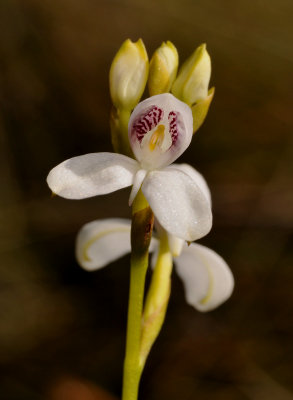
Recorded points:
(163, 69)
(128, 74)
(193, 78)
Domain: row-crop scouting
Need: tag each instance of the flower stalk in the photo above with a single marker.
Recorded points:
(147, 138)
(119, 119)
(141, 233)
(157, 299)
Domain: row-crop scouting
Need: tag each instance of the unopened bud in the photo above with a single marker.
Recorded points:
(193, 78)
(128, 74)
(163, 69)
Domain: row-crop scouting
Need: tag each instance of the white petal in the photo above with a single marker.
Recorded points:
(207, 279)
(137, 181)
(160, 129)
(175, 245)
(91, 175)
(100, 242)
(178, 203)
(196, 177)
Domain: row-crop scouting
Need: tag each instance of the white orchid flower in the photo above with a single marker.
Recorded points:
(160, 129)
(206, 277)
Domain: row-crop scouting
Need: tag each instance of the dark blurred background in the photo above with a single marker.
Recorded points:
(62, 330)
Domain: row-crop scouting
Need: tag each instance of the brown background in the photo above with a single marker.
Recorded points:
(59, 323)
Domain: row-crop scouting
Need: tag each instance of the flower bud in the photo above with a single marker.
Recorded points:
(193, 79)
(200, 110)
(128, 74)
(163, 69)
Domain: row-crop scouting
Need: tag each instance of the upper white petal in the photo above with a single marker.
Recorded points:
(196, 177)
(178, 203)
(91, 175)
(207, 279)
(100, 242)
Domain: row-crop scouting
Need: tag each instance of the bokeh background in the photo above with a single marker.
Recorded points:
(62, 330)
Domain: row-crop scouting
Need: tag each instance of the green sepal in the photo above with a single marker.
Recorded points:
(200, 110)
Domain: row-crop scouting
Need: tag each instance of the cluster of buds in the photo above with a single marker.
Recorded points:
(131, 72)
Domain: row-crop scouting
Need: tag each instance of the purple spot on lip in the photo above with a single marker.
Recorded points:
(175, 122)
(146, 122)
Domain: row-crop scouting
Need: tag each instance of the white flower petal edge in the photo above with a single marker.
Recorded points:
(98, 243)
(137, 182)
(175, 243)
(178, 203)
(195, 176)
(207, 279)
(91, 175)
(101, 242)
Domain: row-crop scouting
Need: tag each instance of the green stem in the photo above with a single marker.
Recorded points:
(141, 232)
(132, 370)
(119, 119)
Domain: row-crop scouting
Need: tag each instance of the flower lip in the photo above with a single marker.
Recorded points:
(160, 129)
(147, 122)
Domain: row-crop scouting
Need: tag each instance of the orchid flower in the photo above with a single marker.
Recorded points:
(206, 277)
(160, 129)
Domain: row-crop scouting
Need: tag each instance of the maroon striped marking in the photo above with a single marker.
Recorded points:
(175, 122)
(148, 121)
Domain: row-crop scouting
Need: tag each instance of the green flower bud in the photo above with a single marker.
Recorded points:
(193, 78)
(128, 74)
(163, 69)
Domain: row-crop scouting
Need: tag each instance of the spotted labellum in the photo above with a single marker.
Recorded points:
(160, 130)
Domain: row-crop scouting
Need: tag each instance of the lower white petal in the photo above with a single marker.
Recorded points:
(100, 242)
(91, 175)
(178, 203)
(207, 279)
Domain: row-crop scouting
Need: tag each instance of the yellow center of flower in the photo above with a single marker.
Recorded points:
(157, 137)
